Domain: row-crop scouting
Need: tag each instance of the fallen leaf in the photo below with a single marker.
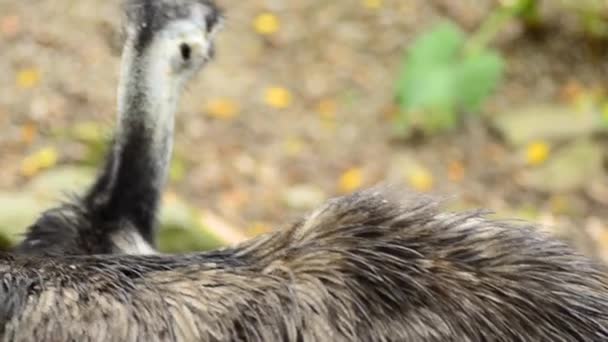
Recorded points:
(47, 157)
(420, 179)
(28, 78)
(266, 24)
(29, 132)
(223, 109)
(39, 161)
(351, 180)
(456, 171)
(278, 97)
(537, 153)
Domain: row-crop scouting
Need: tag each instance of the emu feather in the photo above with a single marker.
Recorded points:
(378, 265)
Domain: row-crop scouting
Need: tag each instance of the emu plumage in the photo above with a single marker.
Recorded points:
(378, 265)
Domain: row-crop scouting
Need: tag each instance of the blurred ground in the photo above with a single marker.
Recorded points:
(281, 122)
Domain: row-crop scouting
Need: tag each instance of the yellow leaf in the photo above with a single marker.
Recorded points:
(278, 97)
(266, 24)
(223, 109)
(420, 179)
(351, 180)
(456, 171)
(373, 4)
(537, 153)
(39, 161)
(47, 157)
(28, 78)
(29, 168)
(29, 132)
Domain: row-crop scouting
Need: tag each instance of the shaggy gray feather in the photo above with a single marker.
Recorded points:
(378, 265)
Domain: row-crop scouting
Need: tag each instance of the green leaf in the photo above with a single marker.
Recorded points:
(428, 61)
(477, 77)
(438, 80)
(430, 87)
(439, 46)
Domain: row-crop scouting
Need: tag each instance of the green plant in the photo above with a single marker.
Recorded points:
(446, 73)
(440, 77)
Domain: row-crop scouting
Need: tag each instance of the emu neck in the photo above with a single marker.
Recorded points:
(130, 187)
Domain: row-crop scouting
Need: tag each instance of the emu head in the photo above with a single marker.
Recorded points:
(179, 33)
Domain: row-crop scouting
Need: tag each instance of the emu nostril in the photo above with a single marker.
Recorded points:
(186, 51)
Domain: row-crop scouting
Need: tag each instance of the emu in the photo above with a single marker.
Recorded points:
(377, 265)
(168, 43)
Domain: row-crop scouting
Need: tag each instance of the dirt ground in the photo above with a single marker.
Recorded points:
(261, 165)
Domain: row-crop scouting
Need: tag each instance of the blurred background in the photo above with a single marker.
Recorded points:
(499, 103)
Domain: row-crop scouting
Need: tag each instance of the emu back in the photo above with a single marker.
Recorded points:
(373, 266)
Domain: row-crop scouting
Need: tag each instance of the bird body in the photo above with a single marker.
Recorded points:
(377, 265)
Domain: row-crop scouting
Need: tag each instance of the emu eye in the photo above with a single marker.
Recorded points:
(185, 51)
